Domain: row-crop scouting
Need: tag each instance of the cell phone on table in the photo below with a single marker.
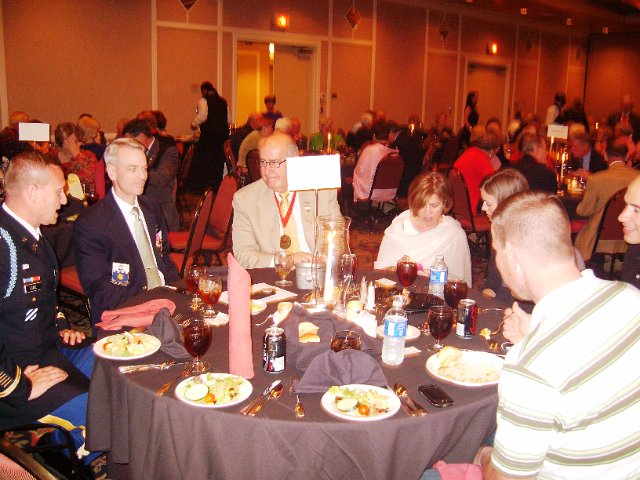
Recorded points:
(436, 396)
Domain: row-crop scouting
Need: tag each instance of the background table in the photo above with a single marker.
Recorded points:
(162, 437)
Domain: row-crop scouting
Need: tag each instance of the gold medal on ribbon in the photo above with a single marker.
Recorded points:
(285, 241)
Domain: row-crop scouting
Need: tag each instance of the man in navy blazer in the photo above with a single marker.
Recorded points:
(108, 260)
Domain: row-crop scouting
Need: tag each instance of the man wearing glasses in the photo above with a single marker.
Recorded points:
(267, 217)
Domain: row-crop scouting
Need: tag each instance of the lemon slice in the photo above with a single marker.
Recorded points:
(196, 392)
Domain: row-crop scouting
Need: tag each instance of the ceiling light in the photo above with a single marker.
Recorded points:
(523, 11)
(568, 22)
(605, 30)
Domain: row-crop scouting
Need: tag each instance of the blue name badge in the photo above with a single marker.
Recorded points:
(120, 274)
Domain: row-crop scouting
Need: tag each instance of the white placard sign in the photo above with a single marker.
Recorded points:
(38, 132)
(557, 131)
(314, 172)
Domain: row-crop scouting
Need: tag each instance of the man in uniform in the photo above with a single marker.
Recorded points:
(267, 217)
(121, 243)
(40, 379)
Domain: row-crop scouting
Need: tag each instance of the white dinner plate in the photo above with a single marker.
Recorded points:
(329, 404)
(472, 365)
(258, 306)
(245, 390)
(153, 347)
(413, 333)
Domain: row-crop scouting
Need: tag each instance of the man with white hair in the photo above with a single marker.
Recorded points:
(630, 219)
(121, 243)
(268, 217)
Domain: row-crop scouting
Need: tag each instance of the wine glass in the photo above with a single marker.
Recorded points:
(440, 321)
(454, 291)
(345, 340)
(191, 280)
(196, 337)
(283, 262)
(407, 272)
(210, 288)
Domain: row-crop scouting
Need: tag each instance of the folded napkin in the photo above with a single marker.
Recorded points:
(342, 368)
(240, 348)
(458, 471)
(168, 332)
(299, 355)
(136, 316)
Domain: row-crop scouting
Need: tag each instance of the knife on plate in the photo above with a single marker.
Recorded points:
(264, 394)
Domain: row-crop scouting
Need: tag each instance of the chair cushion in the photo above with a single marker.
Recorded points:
(176, 258)
(69, 279)
(576, 225)
(178, 240)
(212, 242)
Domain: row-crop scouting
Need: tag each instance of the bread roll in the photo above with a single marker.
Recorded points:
(309, 338)
(449, 355)
(307, 327)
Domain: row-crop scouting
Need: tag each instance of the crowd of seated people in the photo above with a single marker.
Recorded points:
(129, 227)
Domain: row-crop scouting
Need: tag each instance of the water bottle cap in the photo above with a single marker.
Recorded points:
(398, 301)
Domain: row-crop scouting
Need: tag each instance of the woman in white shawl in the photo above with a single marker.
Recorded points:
(424, 231)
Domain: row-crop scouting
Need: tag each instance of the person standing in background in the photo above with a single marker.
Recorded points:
(208, 158)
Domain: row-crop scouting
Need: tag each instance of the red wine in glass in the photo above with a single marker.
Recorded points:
(454, 291)
(196, 337)
(440, 321)
(407, 272)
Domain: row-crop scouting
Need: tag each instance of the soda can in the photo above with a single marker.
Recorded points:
(274, 350)
(467, 318)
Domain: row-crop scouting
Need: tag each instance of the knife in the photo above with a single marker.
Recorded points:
(403, 403)
(264, 394)
(419, 409)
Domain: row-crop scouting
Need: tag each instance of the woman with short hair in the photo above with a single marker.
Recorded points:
(425, 230)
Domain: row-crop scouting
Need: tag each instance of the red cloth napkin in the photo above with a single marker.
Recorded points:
(136, 316)
(458, 471)
(240, 347)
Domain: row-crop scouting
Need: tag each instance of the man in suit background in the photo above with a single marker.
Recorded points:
(267, 217)
(163, 158)
(121, 243)
(626, 118)
(584, 159)
(600, 187)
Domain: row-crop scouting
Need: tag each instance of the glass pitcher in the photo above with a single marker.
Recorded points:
(332, 242)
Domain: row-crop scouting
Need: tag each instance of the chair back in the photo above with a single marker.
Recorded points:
(388, 173)
(19, 465)
(101, 183)
(198, 229)
(610, 228)
(185, 166)
(229, 157)
(221, 215)
(253, 164)
(461, 201)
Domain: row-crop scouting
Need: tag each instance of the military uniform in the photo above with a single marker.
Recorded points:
(28, 331)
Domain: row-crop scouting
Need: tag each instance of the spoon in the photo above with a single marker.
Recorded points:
(402, 392)
(270, 317)
(274, 393)
(299, 409)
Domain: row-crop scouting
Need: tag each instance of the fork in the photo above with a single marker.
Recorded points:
(148, 366)
(184, 374)
(292, 380)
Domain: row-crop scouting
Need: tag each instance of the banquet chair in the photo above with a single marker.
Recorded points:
(218, 235)
(229, 157)
(477, 226)
(193, 238)
(183, 174)
(253, 165)
(70, 283)
(610, 229)
(387, 176)
(101, 182)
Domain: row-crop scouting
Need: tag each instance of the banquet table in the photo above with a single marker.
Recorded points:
(162, 437)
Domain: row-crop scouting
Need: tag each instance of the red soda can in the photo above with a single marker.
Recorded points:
(467, 318)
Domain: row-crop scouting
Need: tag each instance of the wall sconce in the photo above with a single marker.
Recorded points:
(492, 48)
(281, 21)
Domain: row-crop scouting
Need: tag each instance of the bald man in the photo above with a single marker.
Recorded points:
(268, 217)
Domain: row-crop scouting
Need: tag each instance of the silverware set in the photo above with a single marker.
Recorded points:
(273, 390)
(408, 404)
(147, 366)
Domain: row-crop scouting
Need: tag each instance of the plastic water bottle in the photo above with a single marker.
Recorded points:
(395, 333)
(438, 276)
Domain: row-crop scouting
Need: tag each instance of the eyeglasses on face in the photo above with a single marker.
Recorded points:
(272, 163)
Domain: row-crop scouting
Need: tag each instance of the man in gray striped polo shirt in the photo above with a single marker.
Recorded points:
(569, 392)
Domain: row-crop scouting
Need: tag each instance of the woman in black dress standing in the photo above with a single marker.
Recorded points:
(471, 117)
(208, 159)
